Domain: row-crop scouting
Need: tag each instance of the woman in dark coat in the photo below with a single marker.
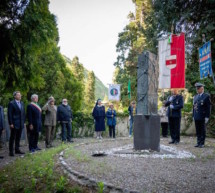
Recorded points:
(111, 120)
(99, 117)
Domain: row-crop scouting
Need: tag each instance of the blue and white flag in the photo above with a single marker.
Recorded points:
(205, 61)
(114, 92)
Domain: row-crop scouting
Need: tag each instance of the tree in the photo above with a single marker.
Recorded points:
(30, 59)
(78, 69)
(154, 19)
(90, 91)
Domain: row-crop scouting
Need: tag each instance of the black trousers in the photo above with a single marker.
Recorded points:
(200, 131)
(15, 136)
(174, 126)
(33, 136)
(164, 126)
(112, 130)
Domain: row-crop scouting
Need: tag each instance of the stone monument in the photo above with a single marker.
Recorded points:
(147, 121)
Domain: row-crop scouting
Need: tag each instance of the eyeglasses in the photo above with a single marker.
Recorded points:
(64, 101)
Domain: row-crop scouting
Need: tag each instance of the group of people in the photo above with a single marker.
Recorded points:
(99, 116)
(170, 114)
(17, 118)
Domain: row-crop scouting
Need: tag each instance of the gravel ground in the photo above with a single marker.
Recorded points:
(147, 174)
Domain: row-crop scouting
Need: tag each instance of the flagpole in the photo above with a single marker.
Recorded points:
(129, 89)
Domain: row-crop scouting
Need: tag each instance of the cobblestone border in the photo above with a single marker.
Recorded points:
(87, 181)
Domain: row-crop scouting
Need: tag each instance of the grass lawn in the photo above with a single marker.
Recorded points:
(37, 173)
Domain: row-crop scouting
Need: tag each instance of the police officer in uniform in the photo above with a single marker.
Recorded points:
(174, 103)
(201, 113)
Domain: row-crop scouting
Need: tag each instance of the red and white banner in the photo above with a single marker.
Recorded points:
(172, 62)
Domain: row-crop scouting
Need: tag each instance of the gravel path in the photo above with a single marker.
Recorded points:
(147, 174)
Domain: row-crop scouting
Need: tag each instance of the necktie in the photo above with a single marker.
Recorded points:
(19, 105)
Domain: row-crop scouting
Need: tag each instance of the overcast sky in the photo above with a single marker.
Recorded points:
(89, 29)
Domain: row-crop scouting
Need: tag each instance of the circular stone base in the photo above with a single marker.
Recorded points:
(165, 152)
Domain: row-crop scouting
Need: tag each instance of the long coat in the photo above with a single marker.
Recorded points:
(178, 104)
(34, 117)
(51, 115)
(201, 107)
(111, 120)
(16, 116)
(99, 116)
(1, 118)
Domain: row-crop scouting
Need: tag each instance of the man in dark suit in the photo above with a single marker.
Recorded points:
(174, 103)
(34, 114)
(1, 123)
(16, 119)
(201, 113)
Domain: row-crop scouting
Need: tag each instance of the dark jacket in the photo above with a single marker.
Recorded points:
(16, 116)
(2, 126)
(178, 103)
(64, 113)
(111, 121)
(34, 117)
(201, 107)
(99, 116)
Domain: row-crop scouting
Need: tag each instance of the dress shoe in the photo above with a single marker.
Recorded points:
(19, 152)
(32, 150)
(171, 142)
(11, 154)
(201, 146)
(70, 141)
(197, 145)
(1, 157)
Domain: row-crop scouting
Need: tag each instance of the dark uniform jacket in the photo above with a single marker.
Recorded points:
(34, 117)
(201, 106)
(178, 104)
(16, 116)
(64, 113)
(1, 118)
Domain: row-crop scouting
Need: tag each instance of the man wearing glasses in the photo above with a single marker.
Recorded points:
(64, 117)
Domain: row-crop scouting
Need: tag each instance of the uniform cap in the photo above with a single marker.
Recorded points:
(199, 85)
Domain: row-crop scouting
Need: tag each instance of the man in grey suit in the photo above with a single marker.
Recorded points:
(16, 119)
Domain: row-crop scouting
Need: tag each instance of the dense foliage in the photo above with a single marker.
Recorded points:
(30, 59)
(154, 19)
(90, 92)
